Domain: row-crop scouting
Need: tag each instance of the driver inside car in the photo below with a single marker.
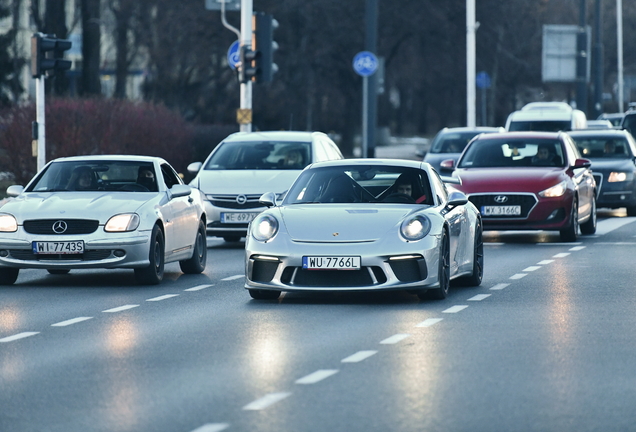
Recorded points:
(408, 185)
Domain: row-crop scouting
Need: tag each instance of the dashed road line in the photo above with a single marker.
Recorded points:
(229, 278)
(18, 336)
(120, 308)
(212, 427)
(455, 309)
(317, 376)
(429, 322)
(577, 248)
(394, 339)
(358, 357)
(163, 297)
(479, 297)
(71, 321)
(199, 287)
(266, 401)
(518, 276)
(531, 268)
(561, 255)
(545, 262)
(500, 286)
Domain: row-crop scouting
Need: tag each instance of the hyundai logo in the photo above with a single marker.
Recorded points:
(241, 199)
(500, 199)
(59, 227)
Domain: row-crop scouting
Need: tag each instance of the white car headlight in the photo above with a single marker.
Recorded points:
(619, 177)
(122, 223)
(554, 191)
(8, 223)
(264, 227)
(415, 227)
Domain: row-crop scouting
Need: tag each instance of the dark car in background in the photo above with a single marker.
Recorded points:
(629, 121)
(613, 154)
(614, 118)
(450, 142)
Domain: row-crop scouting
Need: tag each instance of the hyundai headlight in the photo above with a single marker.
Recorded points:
(555, 191)
(122, 223)
(264, 227)
(619, 176)
(415, 227)
(8, 223)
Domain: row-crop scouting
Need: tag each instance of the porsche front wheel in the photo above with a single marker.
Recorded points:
(443, 273)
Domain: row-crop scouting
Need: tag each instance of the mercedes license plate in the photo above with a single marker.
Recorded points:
(238, 217)
(331, 262)
(512, 210)
(58, 247)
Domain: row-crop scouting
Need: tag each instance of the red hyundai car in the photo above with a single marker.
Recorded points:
(528, 181)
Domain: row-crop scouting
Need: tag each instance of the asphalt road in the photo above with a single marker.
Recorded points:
(545, 344)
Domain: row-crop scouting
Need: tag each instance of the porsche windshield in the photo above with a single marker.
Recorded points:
(361, 184)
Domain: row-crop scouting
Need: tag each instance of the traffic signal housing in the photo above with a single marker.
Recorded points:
(263, 26)
(250, 68)
(42, 44)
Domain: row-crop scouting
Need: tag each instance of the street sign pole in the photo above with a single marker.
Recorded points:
(365, 64)
(40, 120)
(365, 117)
(246, 40)
(470, 63)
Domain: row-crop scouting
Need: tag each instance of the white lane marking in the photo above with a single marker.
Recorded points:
(557, 244)
(212, 427)
(71, 321)
(199, 287)
(120, 308)
(544, 262)
(577, 248)
(18, 336)
(518, 275)
(617, 243)
(265, 401)
(229, 278)
(479, 297)
(561, 255)
(494, 244)
(429, 322)
(163, 297)
(607, 225)
(455, 309)
(499, 286)
(394, 339)
(531, 268)
(358, 357)
(317, 376)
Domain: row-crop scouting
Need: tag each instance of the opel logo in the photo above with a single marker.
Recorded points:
(241, 199)
(59, 227)
(335, 234)
(500, 199)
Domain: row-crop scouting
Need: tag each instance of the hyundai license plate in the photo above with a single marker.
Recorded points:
(512, 210)
(331, 262)
(58, 247)
(238, 217)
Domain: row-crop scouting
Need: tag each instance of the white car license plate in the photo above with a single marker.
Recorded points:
(238, 217)
(331, 262)
(513, 210)
(58, 247)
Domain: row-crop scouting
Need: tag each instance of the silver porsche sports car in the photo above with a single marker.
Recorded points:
(365, 224)
(103, 212)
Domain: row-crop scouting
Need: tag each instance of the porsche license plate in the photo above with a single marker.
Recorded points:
(237, 217)
(58, 247)
(331, 262)
(513, 210)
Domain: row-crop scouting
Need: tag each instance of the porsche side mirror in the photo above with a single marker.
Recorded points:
(457, 198)
(268, 199)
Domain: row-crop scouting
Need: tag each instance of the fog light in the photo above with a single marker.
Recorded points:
(4, 253)
(553, 214)
(119, 253)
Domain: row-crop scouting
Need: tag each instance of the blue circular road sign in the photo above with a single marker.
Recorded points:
(233, 55)
(483, 80)
(365, 63)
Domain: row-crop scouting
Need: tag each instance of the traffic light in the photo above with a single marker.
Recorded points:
(41, 44)
(249, 69)
(263, 27)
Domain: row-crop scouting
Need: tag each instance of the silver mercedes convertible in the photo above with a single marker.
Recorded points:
(103, 212)
(365, 224)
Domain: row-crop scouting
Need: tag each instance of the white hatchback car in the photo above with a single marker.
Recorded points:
(245, 165)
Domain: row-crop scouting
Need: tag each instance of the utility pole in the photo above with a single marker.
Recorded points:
(598, 60)
(371, 19)
(245, 108)
(619, 45)
(581, 60)
(471, 27)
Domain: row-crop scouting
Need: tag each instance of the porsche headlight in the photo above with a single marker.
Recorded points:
(122, 223)
(264, 227)
(555, 191)
(8, 223)
(415, 227)
(618, 176)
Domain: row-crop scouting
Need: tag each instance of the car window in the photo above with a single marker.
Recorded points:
(518, 152)
(170, 176)
(250, 155)
(629, 123)
(600, 147)
(453, 142)
(541, 125)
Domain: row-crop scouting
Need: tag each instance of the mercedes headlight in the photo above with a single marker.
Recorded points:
(415, 227)
(264, 227)
(122, 223)
(555, 191)
(8, 223)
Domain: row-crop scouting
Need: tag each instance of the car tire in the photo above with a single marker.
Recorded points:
(571, 233)
(478, 261)
(264, 294)
(153, 274)
(58, 271)
(8, 275)
(443, 272)
(231, 239)
(196, 264)
(589, 227)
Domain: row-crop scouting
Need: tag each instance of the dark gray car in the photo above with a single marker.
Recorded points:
(450, 142)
